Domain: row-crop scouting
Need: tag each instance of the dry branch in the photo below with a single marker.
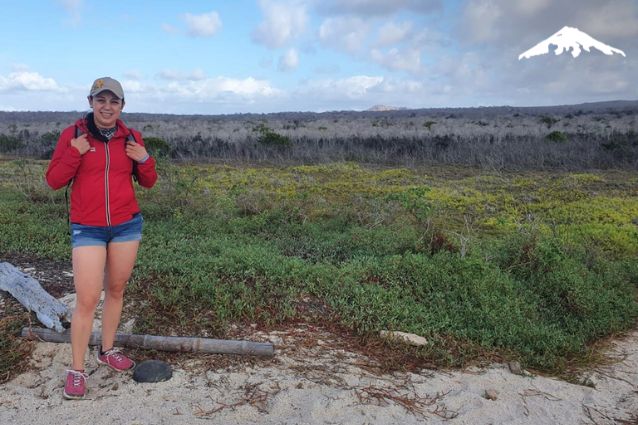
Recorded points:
(30, 294)
(164, 343)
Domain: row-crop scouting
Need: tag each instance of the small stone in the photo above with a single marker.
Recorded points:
(588, 380)
(115, 387)
(275, 340)
(515, 368)
(491, 394)
(152, 371)
(408, 338)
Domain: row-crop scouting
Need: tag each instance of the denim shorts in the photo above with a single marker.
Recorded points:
(128, 231)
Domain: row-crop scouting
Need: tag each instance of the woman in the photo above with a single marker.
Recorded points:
(99, 155)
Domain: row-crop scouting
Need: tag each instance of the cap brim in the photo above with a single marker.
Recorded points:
(95, 93)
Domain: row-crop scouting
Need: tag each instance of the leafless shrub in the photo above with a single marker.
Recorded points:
(597, 135)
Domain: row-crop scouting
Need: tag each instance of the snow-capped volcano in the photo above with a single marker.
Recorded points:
(569, 38)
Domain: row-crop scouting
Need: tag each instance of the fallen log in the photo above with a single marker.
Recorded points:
(30, 294)
(163, 343)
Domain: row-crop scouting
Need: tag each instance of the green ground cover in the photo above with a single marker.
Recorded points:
(534, 266)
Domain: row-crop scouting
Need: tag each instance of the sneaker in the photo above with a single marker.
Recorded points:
(75, 385)
(114, 359)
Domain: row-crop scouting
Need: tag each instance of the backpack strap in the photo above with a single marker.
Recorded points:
(131, 138)
(78, 133)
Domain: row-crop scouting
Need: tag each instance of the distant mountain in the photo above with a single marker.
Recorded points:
(385, 108)
(569, 38)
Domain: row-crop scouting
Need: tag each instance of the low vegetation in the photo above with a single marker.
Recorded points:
(535, 266)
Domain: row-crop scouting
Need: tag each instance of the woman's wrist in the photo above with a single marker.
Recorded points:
(143, 160)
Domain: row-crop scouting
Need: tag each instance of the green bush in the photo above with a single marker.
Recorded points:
(9, 143)
(50, 137)
(557, 137)
(157, 147)
(548, 121)
(269, 137)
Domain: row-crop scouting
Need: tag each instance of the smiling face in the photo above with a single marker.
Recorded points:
(107, 108)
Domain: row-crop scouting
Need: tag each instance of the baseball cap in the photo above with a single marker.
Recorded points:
(107, 83)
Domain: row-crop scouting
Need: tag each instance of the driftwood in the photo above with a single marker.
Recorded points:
(164, 343)
(30, 294)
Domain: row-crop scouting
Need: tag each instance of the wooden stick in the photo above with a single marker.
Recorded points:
(163, 343)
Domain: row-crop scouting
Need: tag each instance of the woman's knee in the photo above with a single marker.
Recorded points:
(115, 289)
(86, 304)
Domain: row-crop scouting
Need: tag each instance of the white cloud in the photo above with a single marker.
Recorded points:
(28, 81)
(184, 88)
(361, 92)
(197, 74)
(211, 88)
(289, 60)
(204, 25)
(352, 87)
(344, 33)
(375, 7)
(481, 17)
(613, 19)
(398, 59)
(530, 7)
(508, 22)
(133, 86)
(392, 33)
(283, 22)
(396, 46)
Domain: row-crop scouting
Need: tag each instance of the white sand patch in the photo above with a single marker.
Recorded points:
(320, 385)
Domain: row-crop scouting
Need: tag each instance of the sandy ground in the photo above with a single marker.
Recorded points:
(312, 380)
(318, 385)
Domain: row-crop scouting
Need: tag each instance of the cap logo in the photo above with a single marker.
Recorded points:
(99, 84)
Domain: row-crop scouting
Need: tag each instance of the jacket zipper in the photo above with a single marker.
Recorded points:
(106, 184)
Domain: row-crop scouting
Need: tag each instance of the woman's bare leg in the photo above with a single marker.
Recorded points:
(88, 277)
(120, 260)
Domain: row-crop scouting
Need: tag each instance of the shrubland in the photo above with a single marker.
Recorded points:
(600, 135)
(530, 265)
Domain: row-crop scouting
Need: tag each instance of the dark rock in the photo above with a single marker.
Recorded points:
(152, 371)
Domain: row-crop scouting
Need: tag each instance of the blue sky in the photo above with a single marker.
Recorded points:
(215, 57)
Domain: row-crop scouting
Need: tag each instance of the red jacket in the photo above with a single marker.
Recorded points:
(102, 192)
